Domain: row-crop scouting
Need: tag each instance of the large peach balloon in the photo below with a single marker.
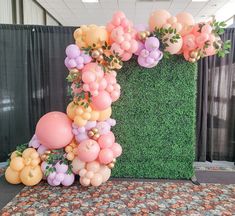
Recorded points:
(187, 21)
(54, 130)
(158, 18)
(31, 176)
(12, 176)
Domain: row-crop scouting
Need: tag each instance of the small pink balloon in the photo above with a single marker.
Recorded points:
(88, 77)
(106, 156)
(106, 140)
(96, 180)
(54, 130)
(88, 150)
(140, 47)
(116, 149)
(125, 45)
(94, 86)
(102, 84)
(134, 46)
(116, 47)
(115, 95)
(102, 101)
(126, 56)
(206, 29)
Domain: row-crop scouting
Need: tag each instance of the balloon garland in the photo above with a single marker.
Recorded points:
(81, 142)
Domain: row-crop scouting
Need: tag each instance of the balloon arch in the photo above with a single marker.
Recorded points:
(81, 142)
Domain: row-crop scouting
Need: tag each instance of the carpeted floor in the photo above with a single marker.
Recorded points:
(125, 198)
(122, 197)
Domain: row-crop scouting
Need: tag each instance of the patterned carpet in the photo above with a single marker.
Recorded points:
(125, 198)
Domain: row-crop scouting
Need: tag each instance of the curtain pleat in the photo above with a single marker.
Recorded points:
(32, 79)
(215, 105)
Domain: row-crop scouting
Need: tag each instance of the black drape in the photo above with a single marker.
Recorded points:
(32, 79)
(216, 105)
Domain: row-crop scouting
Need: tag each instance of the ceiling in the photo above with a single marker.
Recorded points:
(76, 13)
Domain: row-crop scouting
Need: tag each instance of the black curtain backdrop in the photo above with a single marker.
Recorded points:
(32, 79)
(32, 83)
(216, 105)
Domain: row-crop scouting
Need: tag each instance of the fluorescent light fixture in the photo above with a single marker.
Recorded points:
(199, 0)
(90, 1)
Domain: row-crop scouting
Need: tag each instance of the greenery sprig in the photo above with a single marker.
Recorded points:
(163, 35)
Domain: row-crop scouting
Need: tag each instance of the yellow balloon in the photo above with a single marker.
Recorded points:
(31, 176)
(80, 121)
(94, 115)
(105, 114)
(17, 164)
(27, 153)
(71, 110)
(12, 176)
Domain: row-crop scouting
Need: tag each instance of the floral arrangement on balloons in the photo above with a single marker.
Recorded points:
(81, 142)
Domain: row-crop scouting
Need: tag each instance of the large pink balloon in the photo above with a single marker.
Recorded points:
(187, 22)
(54, 130)
(88, 150)
(102, 101)
(158, 18)
(106, 140)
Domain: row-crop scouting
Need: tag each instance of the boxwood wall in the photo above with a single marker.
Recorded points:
(156, 120)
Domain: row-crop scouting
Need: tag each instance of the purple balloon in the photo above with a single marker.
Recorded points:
(68, 179)
(61, 168)
(90, 125)
(72, 63)
(41, 149)
(72, 51)
(87, 58)
(81, 137)
(141, 27)
(51, 176)
(79, 60)
(151, 43)
(150, 60)
(140, 47)
(59, 177)
(55, 182)
(103, 127)
(144, 53)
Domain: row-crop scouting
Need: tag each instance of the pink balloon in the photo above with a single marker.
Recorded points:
(88, 77)
(54, 130)
(106, 156)
(115, 95)
(187, 22)
(102, 84)
(116, 149)
(94, 86)
(126, 56)
(106, 140)
(102, 101)
(96, 180)
(88, 150)
(140, 47)
(125, 45)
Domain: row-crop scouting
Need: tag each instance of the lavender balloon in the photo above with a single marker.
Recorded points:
(150, 54)
(34, 143)
(81, 133)
(75, 57)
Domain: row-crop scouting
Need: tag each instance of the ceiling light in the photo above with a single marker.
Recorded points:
(90, 1)
(199, 0)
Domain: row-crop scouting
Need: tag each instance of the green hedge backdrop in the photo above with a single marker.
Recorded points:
(156, 120)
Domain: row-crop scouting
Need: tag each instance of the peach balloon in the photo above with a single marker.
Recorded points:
(17, 164)
(12, 176)
(187, 21)
(77, 165)
(173, 48)
(88, 150)
(96, 180)
(54, 130)
(85, 182)
(93, 166)
(105, 114)
(101, 101)
(158, 19)
(105, 172)
(31, 176)
(106, 156)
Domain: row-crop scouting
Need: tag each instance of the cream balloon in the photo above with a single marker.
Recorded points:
(158, 18)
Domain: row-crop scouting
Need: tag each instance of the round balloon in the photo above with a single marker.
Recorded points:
(54, 130)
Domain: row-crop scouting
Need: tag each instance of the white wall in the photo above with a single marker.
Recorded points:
(5, 11)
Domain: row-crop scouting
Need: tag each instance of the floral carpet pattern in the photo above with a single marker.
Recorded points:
(125, 198)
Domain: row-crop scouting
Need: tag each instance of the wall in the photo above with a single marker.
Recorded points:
(27, 12)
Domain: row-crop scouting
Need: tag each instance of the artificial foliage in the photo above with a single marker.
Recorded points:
(156, 120)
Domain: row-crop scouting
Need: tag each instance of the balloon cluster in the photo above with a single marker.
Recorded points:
(59, 175)
(122, 36)
(75, 57)
(81, 142)
(24, 167)
(149, 54)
